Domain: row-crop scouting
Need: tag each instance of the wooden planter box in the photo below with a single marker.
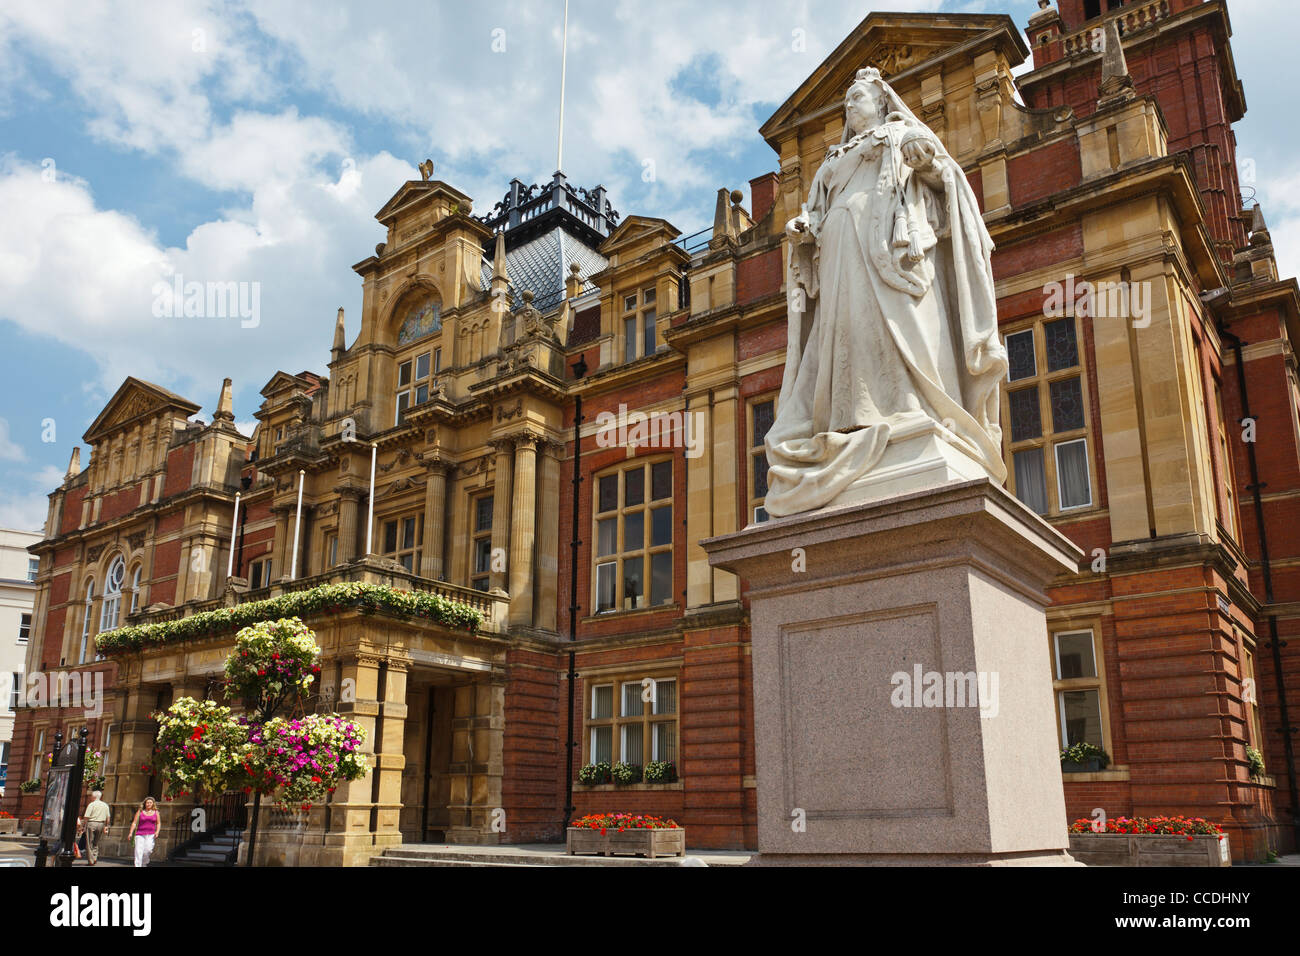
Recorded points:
(9, 825)
(638, 842)
(1125, 849)
(30, 827)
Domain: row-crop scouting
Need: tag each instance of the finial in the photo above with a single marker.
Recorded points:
(74, 464)
(225, 407)
(426, 170)
(340, 333)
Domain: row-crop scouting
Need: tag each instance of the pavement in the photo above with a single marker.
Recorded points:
(17, 850)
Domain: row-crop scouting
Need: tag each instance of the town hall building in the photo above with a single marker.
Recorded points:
(1151, 415)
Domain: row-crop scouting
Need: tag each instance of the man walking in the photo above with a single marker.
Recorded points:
(96, 816)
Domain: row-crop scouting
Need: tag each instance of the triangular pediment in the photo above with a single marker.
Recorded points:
(638, 229)
(137, 399)
(898, 44)
(414, 195)
(283, 382)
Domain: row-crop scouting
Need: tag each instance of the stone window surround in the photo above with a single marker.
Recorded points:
(616, 681)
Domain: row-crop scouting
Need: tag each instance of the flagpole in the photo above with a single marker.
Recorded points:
(234, 527)
(370, 517)
(564, 58)
(297, 523)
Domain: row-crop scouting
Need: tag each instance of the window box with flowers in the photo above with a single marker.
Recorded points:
(625, 833)
(1084, 758)
(1150, 841)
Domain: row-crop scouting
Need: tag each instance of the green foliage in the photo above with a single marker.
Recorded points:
(1255, 761)
(660, 771)
(594, 774)
(1084, 752)
(326, 599)
(29, 786)
(625, 773)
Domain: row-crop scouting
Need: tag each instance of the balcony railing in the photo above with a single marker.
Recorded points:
(1132, 19)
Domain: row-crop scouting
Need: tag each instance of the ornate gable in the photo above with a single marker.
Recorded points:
(896, 44)
(136, 400)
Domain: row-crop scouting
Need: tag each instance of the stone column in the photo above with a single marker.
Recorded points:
(349, 508)
(390, 757)
(435, 519)
(501, 505)
(548, 536)
(135, 734)
(350, 840)
(524, 531)
(280, 549)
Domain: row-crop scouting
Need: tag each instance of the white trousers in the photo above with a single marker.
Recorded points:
(143, 849)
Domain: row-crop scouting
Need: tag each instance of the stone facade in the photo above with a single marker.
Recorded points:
(461, 383)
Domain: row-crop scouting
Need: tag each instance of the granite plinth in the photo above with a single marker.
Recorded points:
(903, 702)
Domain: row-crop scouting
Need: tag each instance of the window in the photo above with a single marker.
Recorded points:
(1225, 457)
(414, 380)
(1251, 700)
(638, 727)
(481, 543)
(761, 416)
(1078, 687)
(634, 537)
(639, 336)
(400, 540)
(38, 756)
(14, 689)
(24, 628)
(259, 574)
(135, 591)
(331, 550)
(33, 566)
(112, 602)
(85, 621)
(4, 762)
(1045, 421)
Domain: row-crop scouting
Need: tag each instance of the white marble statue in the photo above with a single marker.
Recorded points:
(893, 360)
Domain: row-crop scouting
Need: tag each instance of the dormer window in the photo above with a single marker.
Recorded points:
(414, 380)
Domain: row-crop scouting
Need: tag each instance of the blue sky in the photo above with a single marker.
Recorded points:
(254, 143)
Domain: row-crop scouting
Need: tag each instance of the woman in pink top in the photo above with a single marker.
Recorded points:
(144, 828)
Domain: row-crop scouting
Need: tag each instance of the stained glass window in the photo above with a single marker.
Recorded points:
(1062, 349)
(1067, 404)
(1020, 354)
(1026, 417)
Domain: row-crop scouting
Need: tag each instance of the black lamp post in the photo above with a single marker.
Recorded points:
(579, 372)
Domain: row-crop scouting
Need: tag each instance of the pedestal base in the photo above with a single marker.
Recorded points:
(903, 703)
(920, 455)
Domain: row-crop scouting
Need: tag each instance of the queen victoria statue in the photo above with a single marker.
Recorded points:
(893, 359)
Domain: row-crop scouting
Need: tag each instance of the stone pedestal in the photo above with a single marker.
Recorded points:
(903, 703)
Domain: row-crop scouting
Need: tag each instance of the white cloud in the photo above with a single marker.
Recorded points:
(9, 450)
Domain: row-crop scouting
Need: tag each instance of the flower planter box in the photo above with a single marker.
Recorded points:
(8, 825)
(650, 843)
(30, 827)
(1088, 766)
(1128, 849)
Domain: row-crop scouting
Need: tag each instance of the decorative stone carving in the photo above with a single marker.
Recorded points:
(892, 373)
(94, 551)
(136, 541)
(504, 414)
(893, 58)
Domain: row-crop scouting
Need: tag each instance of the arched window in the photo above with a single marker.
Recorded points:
(112, 603)
(135, 591)
(85, 622)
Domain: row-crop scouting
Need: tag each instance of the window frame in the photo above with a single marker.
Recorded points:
(1049, 440)
(648, 550)
(399, 519)
(756, 448)
(477, 535)
(639, 317)
(647, 719)
(87, 614)
(24, 627)
(415, 382)
(1061, 686)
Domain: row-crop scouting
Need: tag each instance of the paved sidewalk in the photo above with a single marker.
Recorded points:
(21, 848)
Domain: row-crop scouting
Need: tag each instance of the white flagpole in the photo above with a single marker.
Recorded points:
(370, 518)
(234, 528)
(564, 58)
(297, 523)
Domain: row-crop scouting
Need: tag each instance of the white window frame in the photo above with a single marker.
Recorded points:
(24, 638)
(85, 623)
(33, 569)
(1056, 451)
(135, 590)
(111, 605)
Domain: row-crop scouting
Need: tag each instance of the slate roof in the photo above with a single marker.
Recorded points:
(541, 264)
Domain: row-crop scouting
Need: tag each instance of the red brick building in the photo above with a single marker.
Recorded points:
(1152, 414)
